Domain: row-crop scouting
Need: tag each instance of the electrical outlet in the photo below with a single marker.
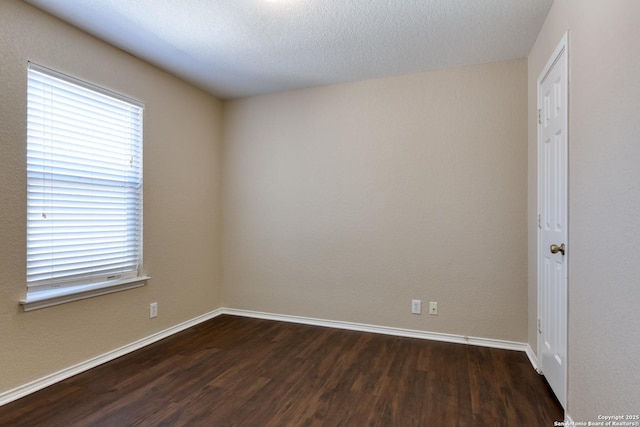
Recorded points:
(416, 306)
(433, 308)
(153, 310)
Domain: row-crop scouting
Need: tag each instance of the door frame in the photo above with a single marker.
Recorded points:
(562, 47)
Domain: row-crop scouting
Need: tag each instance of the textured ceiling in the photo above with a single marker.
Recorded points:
(236, 48)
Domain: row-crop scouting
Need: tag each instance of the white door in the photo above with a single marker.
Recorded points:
(552, 221)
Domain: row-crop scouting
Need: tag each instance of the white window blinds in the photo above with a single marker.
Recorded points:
(84, 190)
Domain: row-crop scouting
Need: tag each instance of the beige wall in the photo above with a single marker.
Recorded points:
(182, 214)
(604, 200)
(346, 202)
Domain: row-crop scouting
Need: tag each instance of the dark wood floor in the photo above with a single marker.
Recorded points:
(234, 371)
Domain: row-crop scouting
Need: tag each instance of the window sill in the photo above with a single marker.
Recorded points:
(48, 298)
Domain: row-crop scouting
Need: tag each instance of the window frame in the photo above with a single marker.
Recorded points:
(49, 292)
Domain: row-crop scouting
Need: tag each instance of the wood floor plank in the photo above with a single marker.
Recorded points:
(235, 371)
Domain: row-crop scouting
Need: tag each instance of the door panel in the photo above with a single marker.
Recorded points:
(552, 205)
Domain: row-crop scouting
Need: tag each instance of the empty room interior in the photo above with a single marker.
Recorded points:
(367, 168)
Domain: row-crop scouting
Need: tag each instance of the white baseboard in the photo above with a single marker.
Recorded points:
(39, 384)
(436, 336)
(533, 359)
(21, 391)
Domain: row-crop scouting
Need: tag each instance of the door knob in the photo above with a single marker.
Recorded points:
(555, 249)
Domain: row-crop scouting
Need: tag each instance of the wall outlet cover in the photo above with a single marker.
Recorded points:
(416, 306)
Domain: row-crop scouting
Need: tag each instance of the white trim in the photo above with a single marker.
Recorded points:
(48, 298)
(39, 384)
(561, 47)
(533, 359)
(400, 332)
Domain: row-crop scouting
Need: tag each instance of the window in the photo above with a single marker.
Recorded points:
(84, 190)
